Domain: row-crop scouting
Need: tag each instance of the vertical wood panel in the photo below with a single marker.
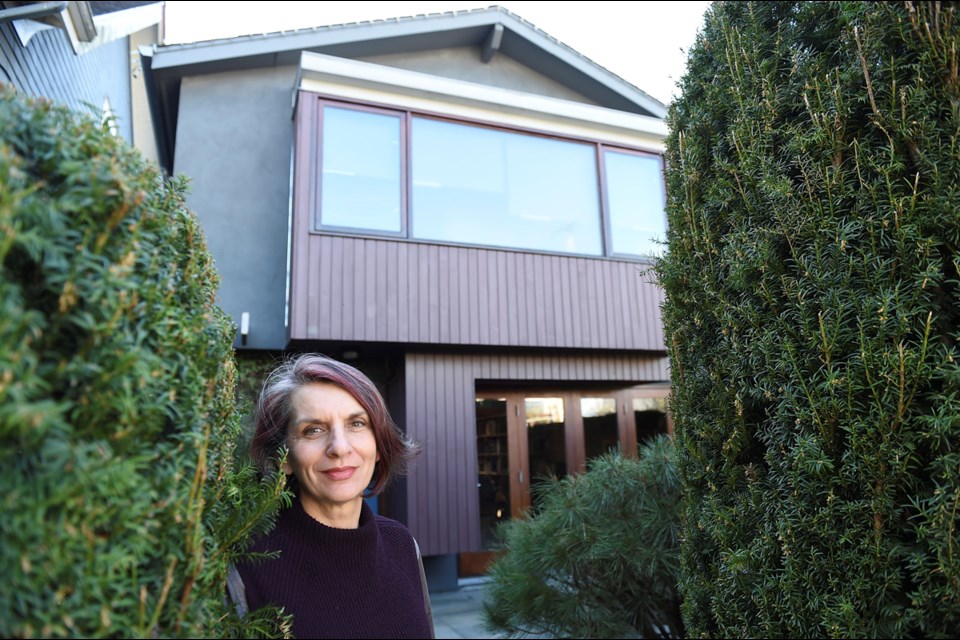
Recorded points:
(443, 293)
(503, 294)
(370, 299)
(411, 285)
(315, 285)
(459, 427)
(403, 292)
(479, 277)
(468, 415)
(339, 290)
(326, 267)
(513, 298)
(469, 315)
(623, 295)
(453, 297)
(587, 300)
(576, 300)
(388, 291)
(382, 276)
(493, 314)
(392, 313)
(421, 296)
(538, 310)
(437, 396)
(435, 293)
(555, 287)
(357, 308)
(639, 305)
(600, 327)
(612, 305)
(548, 293)
(534, 298)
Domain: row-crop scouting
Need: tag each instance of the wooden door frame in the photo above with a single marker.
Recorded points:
(518, 451)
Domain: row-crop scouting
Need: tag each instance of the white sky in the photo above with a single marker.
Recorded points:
(644, 43)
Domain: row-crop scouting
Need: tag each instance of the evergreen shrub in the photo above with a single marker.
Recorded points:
(812, 315)
(599, 559)
(123, 499)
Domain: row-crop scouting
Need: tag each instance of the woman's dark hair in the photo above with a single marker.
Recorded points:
(274, 409)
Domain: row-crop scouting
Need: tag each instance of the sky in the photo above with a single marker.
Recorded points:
(644, 43)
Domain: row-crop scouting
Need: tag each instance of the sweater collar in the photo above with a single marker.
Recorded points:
(312, 531)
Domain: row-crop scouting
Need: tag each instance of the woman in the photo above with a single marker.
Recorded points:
(342, 571)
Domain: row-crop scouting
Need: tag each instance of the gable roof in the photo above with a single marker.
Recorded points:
(494, 30)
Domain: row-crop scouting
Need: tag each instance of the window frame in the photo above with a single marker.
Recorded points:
(605, 191)
(317, 173)
(406, 117)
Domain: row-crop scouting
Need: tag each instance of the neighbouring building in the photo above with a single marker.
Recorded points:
(458, 204)
(84, 55)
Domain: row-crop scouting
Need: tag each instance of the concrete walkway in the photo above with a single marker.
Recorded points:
(458, 614)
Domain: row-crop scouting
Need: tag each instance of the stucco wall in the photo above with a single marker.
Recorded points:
(465, 63)
(234, 139)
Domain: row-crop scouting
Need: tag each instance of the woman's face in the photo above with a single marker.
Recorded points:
(332, 449)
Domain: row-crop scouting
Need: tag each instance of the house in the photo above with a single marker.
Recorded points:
(84, 55)
(460, 205)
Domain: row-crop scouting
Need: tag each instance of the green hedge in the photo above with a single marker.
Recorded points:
(599, 559)
(122, 498)
(812, 315)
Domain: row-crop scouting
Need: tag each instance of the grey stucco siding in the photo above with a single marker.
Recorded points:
(234, 139)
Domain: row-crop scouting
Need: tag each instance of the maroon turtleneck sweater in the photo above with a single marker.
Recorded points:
(340, 583)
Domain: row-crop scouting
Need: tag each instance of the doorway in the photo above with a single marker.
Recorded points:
(526, 437)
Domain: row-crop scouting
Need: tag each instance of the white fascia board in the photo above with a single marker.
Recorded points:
(120, 24)
(389, 86)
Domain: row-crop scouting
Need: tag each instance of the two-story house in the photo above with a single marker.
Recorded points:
(462, 206)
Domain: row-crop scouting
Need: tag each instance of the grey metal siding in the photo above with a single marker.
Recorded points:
(373, 290)
(48, 67)
(443, 508)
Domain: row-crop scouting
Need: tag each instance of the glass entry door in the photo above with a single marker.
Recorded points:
(493, 466)
(523, 438)
(521, 441)
(543, 426)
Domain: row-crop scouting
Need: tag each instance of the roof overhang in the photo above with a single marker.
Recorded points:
(493, 31)
(388, 86)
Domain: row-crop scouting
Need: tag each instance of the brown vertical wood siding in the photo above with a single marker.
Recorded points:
(373, 290)
(443, 506)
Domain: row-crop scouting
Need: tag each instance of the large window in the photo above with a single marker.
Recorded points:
(635, 195)
(462, 183)
(499, 188)
(360, 187)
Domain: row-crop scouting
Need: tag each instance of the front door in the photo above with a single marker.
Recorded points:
(523, 438)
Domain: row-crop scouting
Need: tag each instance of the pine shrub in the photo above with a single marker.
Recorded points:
(599, 559)
(123, 498)
(812, 316)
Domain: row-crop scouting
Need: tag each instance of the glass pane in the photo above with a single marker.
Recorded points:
(650, 415)
(482, 186)
(360, 185)
(492, 467)
(600, 433)
(635, 193)
(546, 443)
